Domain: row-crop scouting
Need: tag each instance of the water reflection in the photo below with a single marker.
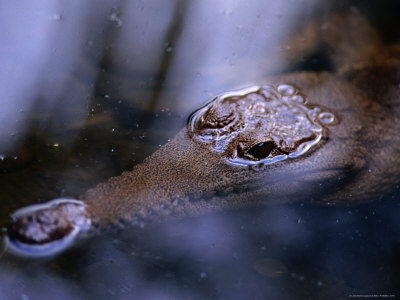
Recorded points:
(332, 252)
(90, 91)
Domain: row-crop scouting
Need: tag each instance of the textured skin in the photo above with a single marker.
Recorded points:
(358, 157)
(260, 125)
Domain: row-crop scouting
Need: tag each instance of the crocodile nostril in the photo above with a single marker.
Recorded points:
(48, 228)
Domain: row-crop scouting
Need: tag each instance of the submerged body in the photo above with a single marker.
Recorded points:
(297, 137)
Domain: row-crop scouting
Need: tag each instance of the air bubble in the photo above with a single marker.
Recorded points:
(286, 90)
(326, 117)
(299, 99)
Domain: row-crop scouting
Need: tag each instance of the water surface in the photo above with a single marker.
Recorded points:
(88, 92)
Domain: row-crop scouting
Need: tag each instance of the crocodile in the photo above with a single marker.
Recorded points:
(323, 137)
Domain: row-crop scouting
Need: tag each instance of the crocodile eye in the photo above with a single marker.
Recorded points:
(261, 150)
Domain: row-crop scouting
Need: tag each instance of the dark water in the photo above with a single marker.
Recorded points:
(90, 91)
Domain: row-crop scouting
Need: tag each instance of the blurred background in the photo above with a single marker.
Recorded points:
(91, 88)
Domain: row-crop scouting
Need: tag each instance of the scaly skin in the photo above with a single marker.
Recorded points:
(356, 156)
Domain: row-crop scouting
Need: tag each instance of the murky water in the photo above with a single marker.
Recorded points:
(88, 92)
